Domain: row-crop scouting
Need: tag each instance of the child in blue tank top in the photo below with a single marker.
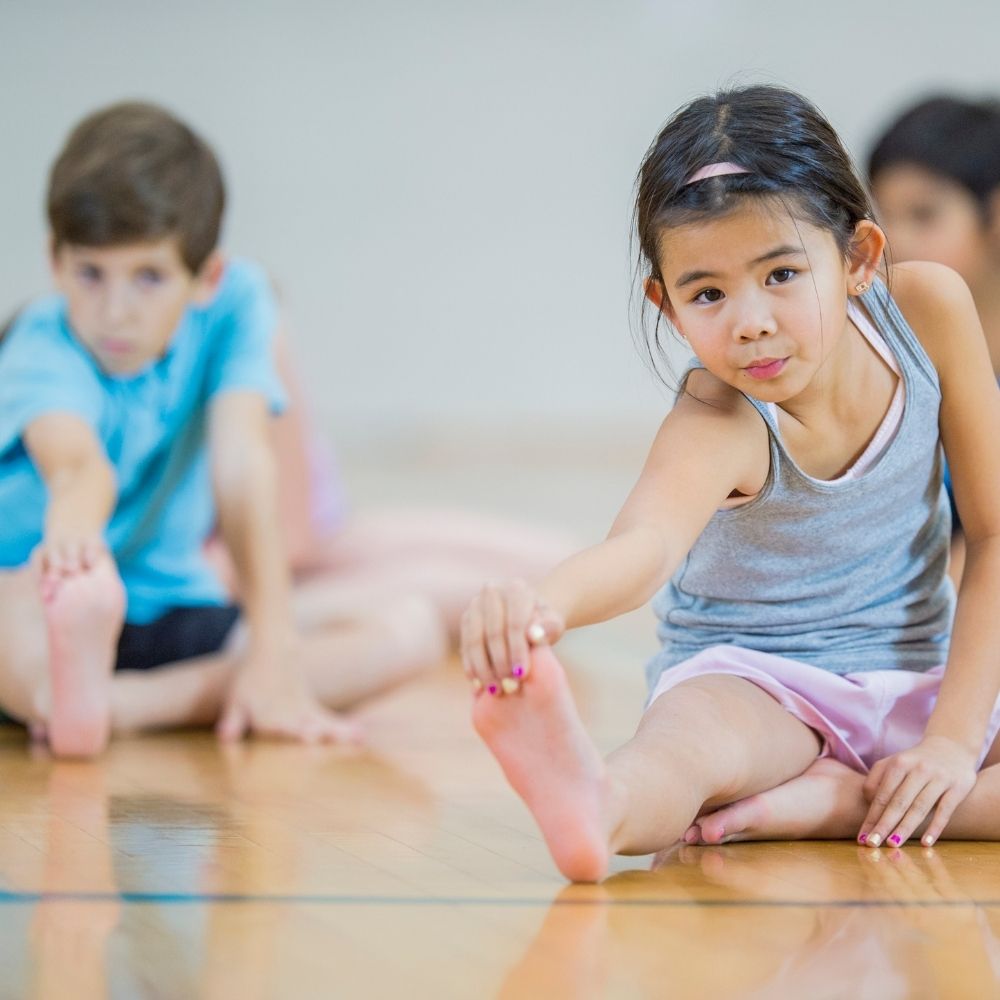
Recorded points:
(790, 519)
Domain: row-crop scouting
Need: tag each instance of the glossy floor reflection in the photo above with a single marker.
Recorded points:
(175, 867)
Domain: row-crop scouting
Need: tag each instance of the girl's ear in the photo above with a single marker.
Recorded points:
(657, 294)
(864, 256)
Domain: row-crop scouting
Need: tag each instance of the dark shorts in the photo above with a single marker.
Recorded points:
(180, 634)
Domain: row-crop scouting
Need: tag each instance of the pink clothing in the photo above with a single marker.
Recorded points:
(860, 717)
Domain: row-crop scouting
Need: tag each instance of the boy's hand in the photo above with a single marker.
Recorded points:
(67, 552)
(935, 775)
(272, 699)
(497, 629)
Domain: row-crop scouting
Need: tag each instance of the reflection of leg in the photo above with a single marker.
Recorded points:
(568, 957)
(345, 664)
(707, 741)
(69, 937)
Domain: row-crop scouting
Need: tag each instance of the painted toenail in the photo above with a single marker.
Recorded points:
(509, 685)
(518, 670)
(895, 840)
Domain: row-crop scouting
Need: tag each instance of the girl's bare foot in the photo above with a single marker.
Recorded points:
(83, 617)
(537, 736)
(825, 802)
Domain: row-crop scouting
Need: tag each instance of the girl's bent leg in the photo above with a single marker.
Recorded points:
(708, 741)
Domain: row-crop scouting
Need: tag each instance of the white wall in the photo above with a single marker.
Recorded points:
(442, 189)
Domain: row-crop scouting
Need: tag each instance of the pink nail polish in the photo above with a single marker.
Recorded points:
(863, 838)
(492, 689)
(895, 840)
(518, 670)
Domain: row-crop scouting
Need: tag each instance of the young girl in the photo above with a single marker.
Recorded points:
(791, 518)
(935, 175)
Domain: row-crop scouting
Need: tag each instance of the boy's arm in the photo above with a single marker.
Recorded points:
(81, 486)
(269, 695)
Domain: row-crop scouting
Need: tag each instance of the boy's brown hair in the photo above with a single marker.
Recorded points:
(133, 172)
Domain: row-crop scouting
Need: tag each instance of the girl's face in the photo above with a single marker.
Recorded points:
(760, 296)
(928, 217)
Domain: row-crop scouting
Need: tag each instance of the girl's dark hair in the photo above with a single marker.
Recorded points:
(956, 138)
(133, 172)
(790, 151)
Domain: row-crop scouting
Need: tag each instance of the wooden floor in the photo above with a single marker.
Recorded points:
(177, 868)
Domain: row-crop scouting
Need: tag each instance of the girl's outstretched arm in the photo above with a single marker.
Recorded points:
(711, 444)
(937, 774)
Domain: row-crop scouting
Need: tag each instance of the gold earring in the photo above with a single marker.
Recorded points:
(861, 287)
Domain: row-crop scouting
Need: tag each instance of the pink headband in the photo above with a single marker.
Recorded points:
(715, 170)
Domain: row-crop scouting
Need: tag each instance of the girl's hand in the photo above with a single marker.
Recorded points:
(497, 629)
(936, 774)
(273, 700)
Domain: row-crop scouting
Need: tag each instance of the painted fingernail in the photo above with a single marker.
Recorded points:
(875, 839)
(928, 840)
(509, 685)
(492, 689)
(536, 633)
(518, 670)
(862, 838)
(477, 684)
(895, 840)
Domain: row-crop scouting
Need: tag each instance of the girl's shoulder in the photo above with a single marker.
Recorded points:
(937, 304)
(706, 404)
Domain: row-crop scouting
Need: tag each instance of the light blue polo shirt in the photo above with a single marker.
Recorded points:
(152, 426)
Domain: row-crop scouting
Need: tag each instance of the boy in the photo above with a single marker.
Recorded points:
(134, 418)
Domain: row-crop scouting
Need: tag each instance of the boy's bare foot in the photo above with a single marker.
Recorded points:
(546, 754)
(825, 802)
(83, 617)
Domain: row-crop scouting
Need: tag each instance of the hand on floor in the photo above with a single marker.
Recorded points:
(272, 700)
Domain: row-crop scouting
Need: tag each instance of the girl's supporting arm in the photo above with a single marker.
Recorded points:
(939, 772)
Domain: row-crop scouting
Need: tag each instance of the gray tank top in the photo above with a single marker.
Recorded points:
(846, 575)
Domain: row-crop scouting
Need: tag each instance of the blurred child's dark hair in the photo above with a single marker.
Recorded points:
(133, 172)
(957, 139)
(790, 152)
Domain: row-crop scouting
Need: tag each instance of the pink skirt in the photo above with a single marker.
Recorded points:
(860, 717)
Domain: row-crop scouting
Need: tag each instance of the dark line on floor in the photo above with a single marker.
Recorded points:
(188, 899)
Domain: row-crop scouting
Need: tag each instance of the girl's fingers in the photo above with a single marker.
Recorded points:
(879, 793)
(474, 658)
(495, 626)
(947, 805)
(919, 811)
(890, 804)
(520, 604)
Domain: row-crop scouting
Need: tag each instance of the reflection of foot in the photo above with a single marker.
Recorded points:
(541, 744)
(83, 614)
(825, 802)
(569, 956)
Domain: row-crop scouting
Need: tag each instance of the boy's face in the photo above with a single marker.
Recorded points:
(125, 302)
(928, 217)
